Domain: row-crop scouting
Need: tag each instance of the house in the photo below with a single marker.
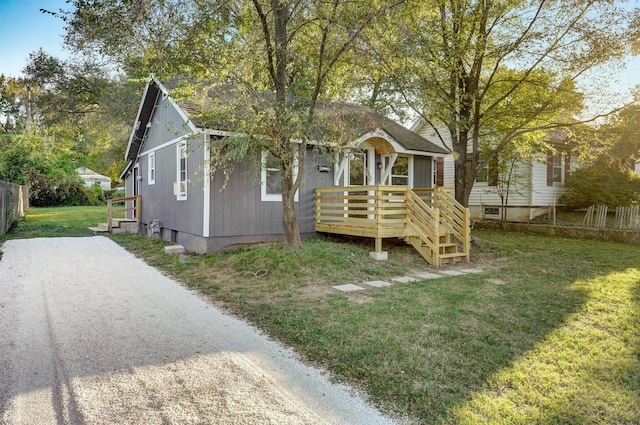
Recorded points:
(90, 178)
(168, 154)
(538, 184)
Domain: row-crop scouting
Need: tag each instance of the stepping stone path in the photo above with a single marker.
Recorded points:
(350, 287)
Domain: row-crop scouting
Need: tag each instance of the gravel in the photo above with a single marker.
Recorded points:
(89, 334)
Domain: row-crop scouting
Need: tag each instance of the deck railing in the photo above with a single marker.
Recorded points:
(135, 206)
(392, 211)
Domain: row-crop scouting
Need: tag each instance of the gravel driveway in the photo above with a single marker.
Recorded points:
(89, 334)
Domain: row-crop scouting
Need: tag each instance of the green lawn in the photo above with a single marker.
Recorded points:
(61, 221)
(549, 334)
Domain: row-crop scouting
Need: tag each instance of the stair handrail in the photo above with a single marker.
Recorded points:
(455, 217)
(136, 207)
(423, 219)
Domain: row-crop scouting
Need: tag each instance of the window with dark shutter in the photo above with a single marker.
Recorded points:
(549, 168)
(439, 172)
(493, 171)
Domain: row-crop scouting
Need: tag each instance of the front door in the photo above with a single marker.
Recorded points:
(360, 174)
(358, 169)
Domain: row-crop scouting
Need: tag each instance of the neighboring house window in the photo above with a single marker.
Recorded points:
(555, 168)
(271, 179)
(489, 173)
(181, 176)
(152, 168)
(438, 172)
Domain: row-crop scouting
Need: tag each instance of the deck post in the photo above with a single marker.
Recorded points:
(378, 245)
(109, 215)
(378, 253)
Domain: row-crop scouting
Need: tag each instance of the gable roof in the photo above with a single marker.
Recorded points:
(192, 109)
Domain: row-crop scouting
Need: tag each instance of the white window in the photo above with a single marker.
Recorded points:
(400, 172)
(396, 170)
(180, 188)
(151, 159)
(271, 179)
(558, 167)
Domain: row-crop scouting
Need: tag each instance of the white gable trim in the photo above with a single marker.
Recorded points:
(397, 147)
(206, 175)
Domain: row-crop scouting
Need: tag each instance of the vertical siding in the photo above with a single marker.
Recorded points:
(422, 172)
(237, 210)
(158, 200)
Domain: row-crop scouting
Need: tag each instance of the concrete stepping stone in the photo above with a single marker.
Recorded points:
(453, 273)
(428, 275)
(377, 283)
(404, 279)
(349, 287)
(469, 271)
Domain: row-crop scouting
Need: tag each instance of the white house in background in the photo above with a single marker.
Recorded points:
(90, 178)
(541, 180)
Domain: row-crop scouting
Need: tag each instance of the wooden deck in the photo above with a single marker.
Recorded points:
(431, 220)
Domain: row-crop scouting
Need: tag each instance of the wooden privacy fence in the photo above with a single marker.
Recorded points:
(14, 201)
(627, 217)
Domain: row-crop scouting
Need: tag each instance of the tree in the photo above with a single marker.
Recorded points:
(602, 183)
(281, 57)
(483, 73)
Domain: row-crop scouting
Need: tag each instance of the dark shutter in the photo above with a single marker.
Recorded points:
(567, 165)
(493, 172)
(439, 172)
(550, 168)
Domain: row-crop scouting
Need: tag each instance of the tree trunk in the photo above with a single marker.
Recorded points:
(290, 226)
(462, 188)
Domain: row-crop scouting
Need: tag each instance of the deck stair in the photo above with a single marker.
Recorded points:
(129, 205)
(119, 225)
(430, 220)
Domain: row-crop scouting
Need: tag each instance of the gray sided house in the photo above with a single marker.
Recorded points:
(168, 167)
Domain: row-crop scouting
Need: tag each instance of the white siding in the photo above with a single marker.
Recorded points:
(542, 194)
(429, 133)
(520, 194)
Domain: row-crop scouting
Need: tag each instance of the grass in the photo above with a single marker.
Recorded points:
(61, 221)
(549, 334)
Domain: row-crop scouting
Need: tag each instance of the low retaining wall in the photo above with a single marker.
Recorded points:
(623, 236)
(14, 201)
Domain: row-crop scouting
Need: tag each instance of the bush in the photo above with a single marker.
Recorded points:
(94, 195)
(601, 184)
(113, 194)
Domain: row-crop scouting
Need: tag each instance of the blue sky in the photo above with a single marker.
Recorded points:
(24, 29)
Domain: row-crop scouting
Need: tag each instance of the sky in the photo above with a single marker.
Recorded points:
(24, 29)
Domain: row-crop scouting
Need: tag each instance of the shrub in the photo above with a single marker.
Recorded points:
(601, 184)
(113, 194)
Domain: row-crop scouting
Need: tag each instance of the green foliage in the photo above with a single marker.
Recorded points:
(601, 184)
(481, 74)
(36, 161)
